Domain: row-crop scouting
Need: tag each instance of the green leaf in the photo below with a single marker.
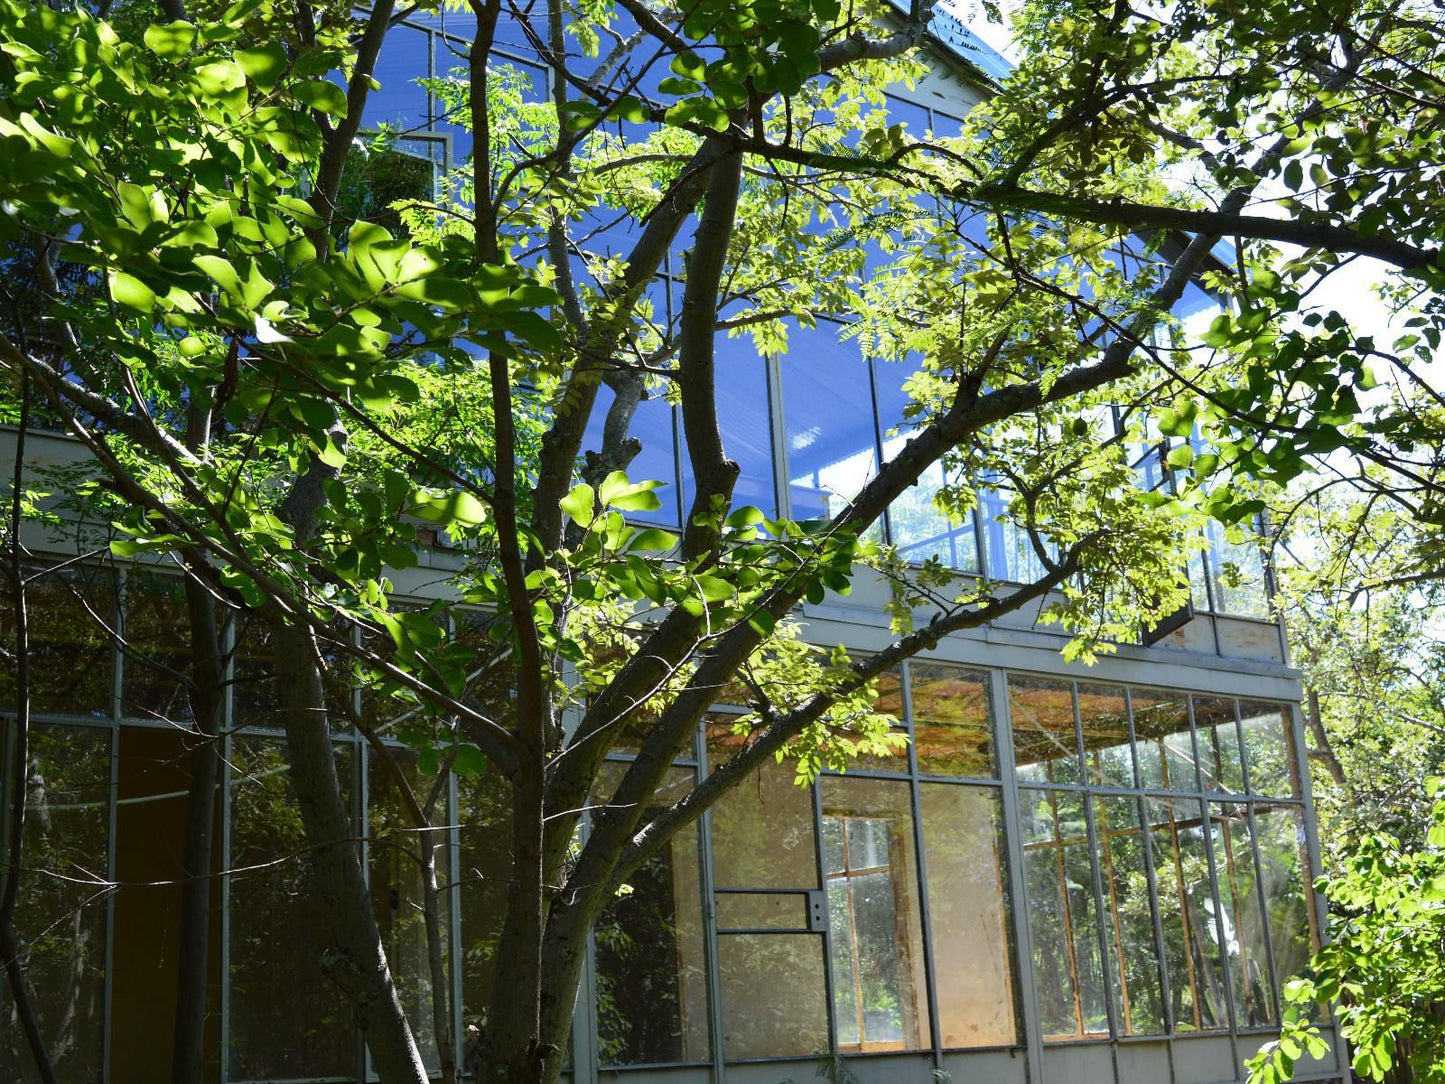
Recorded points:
(449, 509)
(714, 588)
(220, 78)
(131, 292)
(580, 504)
(653, 539)
(323, 96)
(170, 41)
(264, 64)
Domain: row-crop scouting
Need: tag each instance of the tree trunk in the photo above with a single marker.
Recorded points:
(356, 960)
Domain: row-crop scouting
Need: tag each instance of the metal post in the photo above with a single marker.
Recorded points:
(827, 932)
(1013, 843)
(228, 716)
(1207, 824)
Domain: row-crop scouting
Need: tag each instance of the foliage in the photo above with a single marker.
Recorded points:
(1382, 968)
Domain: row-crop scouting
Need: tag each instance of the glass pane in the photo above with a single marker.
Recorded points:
(152, 798)
(763, 910)
(1063, 916)
(1238, 567)
(1268, 752)
(1138, 999)
(656, 461)
(742, 411)
(1243, 916)
(774, 1001)
(279, 931)
(762, 830)
(70, 646)
(253, 683)
(1287, 891)
(1104, 719)
(1165, 747)
(651, 969)
(1187, 915)
(157, 648)
(919, 529)
(484, 843)
(1218, 736)
(1011, 553)
(1042, 713)
(952, 728)
(59, 916)
(968, 909)
(828, 412)
(398, 895)
(875, 920)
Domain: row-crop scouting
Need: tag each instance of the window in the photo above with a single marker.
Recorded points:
(651, 973)
(880, 999)
(1152, 909)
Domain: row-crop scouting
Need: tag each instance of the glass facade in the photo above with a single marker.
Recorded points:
(1113, 861)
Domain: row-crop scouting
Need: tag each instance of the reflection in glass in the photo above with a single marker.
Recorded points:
(157, 647)
(1268, 755)
(773, 999)
(874, 920)
(1045, 746)
(1238, 573)
(1063, 917)
(952, 729)
(742, 411)
(1286, 888)
(968, 909)
(70, 647)
(279, 931)
(398, 892)
(1243, 916)
(1012, 556)
(762, 830)
(1104, 722)
(1218, 736)
(1164, 745)
(59, 917)
(828, 419)
(916, 526)
(484, 846)
(651, 971)
(1138, 1000)
(1187, 915)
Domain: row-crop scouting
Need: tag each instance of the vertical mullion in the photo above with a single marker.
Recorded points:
(454, 919)
(117, 676)
(1027, 1000)
(777, 437)
(887, 520)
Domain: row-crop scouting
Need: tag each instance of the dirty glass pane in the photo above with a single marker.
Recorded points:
(1104, 719)
(773, 995)
(279, 931)
(1129, 921)
(1187, 915)
(58, 915)
(1286, 889)
(1219, 764)
(651, 970)
(968, 907)
(157, 648)
(1063, 918)
(1165, 747)
(952, 728)
(1042, 711)
(1242, 907)
(1268, 754)
(762, 830)
(398, 896)
(70, 645)
(875, 921)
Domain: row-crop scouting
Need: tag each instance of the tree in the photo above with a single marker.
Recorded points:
(255, 376)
